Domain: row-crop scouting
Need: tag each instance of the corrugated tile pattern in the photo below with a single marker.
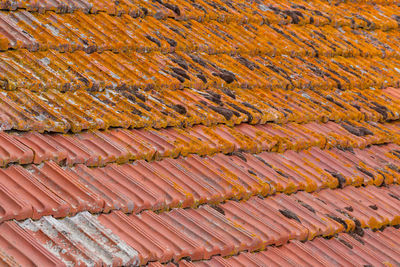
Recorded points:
(221, 230)
(300, 12)
(96, 71)
(53, 111)
(98, 148)
(206, 231)
(344, 53)
(373, 248)
(48, 189)
(199, 133)
(68, 33)
(80, 240)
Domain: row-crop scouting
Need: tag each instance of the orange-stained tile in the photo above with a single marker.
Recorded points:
(79, 110)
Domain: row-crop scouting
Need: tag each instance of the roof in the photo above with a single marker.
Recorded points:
(205, 133)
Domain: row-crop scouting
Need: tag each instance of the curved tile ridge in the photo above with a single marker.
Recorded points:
(99, 148)
(301, 12)
(209, 231)
(51, 69)
(47, 189)
(206, 231)
(374, 248)
(53, 111)
(35, 31)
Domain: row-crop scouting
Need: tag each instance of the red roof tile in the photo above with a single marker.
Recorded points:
(212, 133)
(373, 248)
(188, 182)
(98, 148)
(212, 231)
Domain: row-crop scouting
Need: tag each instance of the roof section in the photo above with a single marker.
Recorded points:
(53, 111)
(210, 133)
(345, 249)
(131, 70)
(222, 230)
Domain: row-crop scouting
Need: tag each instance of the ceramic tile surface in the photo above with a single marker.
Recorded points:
(199, 133)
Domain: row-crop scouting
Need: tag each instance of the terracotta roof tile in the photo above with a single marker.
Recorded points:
(375, 248)
(212, 231)
(79, 240)
(212, 133)
(98, 148)
(14, 151)
(267, 11)
(24, 248)
(49, 30)
(77, 111)
(48, 189)
(21, 189)
(7, 260)
(66, 185)
(70, 71)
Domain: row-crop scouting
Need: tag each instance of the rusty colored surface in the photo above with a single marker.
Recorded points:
(162, 51)
(63, 32)
(53, 111)
(43, 70)
(300, 12)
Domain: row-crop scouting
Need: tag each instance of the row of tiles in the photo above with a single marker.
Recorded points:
(69, 32)
(47, 189)
(98, 71)
(53, 111)
(369, 14)
(198, 234)
(99, 148)
(379, 248)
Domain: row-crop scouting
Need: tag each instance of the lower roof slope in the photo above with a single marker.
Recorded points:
(205, 234)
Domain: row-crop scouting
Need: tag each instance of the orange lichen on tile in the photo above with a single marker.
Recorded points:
(54, 111)
(42, 70)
